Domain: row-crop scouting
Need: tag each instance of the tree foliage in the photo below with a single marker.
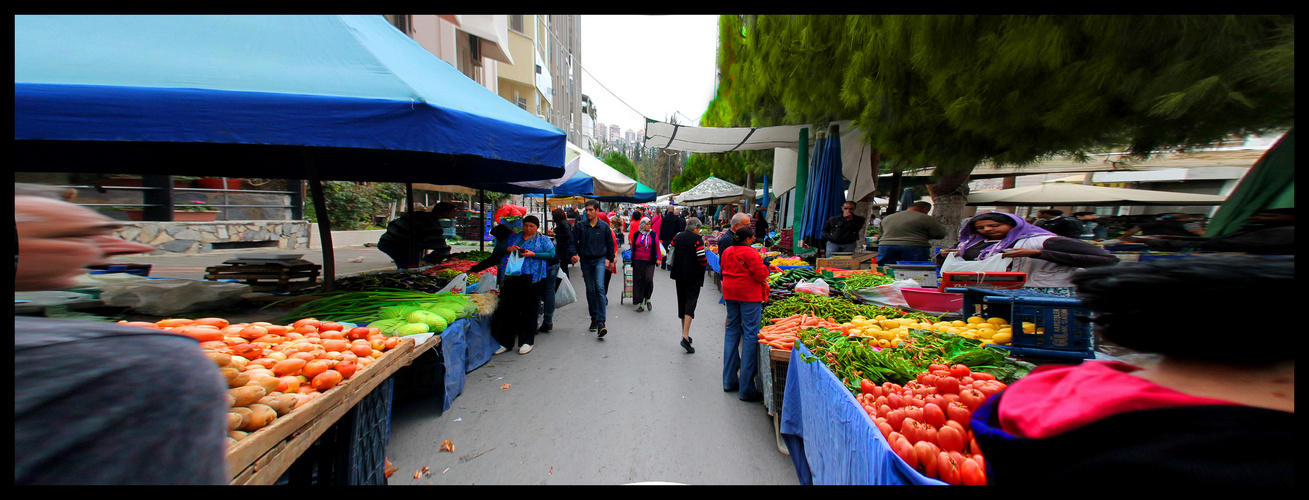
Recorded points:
(352, 205)
(954, 91)
(621, 163)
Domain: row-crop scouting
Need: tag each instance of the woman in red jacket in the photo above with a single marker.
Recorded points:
(745, 286)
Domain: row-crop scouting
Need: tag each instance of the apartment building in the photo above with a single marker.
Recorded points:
(532, 61)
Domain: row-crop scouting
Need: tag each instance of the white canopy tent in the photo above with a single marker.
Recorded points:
(712, 191)
(856, 156)
(1067, 193)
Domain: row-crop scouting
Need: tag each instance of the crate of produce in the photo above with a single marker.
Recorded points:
(925, 275)
(1044, 325)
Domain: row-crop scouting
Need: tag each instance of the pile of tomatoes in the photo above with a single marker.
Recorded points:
(926, 421)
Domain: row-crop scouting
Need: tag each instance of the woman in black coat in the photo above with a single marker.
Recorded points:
(687, 269)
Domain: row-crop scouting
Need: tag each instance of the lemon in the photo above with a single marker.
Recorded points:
(973, 320)
(958, 323)
(883, 343)
(986, 326)
(905, 321)
(968, 335)
(880, 318)
(1029, 327)
(954, 329)
(886, 335)
(987, 342)
(889, 324)
(858, 318)
(985, 333)
(1005, 330)
(856, 331)
(1002, 338)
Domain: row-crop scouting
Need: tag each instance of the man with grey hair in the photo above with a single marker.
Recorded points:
(72, 424)
(739, 221)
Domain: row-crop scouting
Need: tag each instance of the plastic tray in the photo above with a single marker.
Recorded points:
(929, 299)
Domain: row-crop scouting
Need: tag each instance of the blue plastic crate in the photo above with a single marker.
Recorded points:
(1066, 323)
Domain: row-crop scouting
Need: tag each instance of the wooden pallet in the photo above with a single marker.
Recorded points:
(268, 277)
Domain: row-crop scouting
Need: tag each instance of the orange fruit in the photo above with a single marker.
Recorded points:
(218, 322)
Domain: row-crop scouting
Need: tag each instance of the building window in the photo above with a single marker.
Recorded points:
(401, 22)
(516, 22)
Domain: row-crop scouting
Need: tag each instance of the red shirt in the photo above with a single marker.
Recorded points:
(745, 278)
(1054, 399)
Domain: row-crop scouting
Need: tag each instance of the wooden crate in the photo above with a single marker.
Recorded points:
(267, 277)
(263, 456)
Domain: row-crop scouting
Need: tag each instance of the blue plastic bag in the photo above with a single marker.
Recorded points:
(515, 264)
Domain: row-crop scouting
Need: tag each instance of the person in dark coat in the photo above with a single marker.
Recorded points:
(669, 226)
(687, 269)
(427, 233)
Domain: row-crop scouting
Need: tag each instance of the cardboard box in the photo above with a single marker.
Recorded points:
(861, 260)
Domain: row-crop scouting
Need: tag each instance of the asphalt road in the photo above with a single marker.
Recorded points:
(632, 407)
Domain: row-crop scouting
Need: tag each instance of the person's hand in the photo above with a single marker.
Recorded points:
(527, 253)
(1021, 252)
(949, 250)
(512, 249)
(574, 261)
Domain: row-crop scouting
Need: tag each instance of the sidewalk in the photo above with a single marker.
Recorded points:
(193, 266)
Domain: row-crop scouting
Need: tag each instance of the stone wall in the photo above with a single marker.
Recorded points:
(199, 237)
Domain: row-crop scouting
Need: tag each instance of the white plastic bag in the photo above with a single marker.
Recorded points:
(456, 285)
(817, 287)
(888, 295)
(487, 284)
(996, 263)
(166, 297)
(564, 293)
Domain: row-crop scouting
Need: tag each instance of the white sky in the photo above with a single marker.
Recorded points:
(659, 65)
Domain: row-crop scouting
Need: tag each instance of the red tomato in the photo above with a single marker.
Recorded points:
(883, 411)
(937, 366)
(927, 457)
(917, 402)
(971, 474)
(877, 391)
(950, 439)
(947, 469)
(927, 433)
(906, 452)
(965, 381)
(959, 371)
(912, 430)
(971, 398)
(956, 425)
(928, 379)
(866, 386)
(933, 414)
(975, 449)
(958, 413)
(895, 401)
(882, 400)
(947, 385)
(331, 326)
(981, 462)
(896, 419)
(885, 428)
(990, 388)
(983, 376)
(914, 412)
(358, 332)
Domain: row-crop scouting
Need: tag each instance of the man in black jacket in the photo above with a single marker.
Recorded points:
(668, 228)
(595, 251)
(842, 231)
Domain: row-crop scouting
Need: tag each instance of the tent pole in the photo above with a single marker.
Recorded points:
(324, 222)
(801, 185)
(409, 232)
(481, 208)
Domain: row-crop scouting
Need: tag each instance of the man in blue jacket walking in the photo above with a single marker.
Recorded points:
(595, 252)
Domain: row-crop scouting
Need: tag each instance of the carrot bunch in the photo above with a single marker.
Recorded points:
(783, 332)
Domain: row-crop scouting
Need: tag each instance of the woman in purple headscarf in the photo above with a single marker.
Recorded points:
(1048, 259)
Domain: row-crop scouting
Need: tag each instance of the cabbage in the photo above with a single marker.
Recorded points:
(426, 317)
(388, 326)
(449, 315)
(412, 329)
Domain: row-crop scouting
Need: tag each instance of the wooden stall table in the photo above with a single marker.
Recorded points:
(772, 371)
(263, 456)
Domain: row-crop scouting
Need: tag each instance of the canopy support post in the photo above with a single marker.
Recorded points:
(801, 185)
(481, 208)
(324, 222)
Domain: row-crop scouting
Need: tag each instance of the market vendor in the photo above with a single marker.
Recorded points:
(501, 234)
(427, 233)
(1048, 259)
(1206, 413)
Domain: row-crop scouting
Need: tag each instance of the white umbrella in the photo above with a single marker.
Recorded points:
(712, 191)
(1065, 193)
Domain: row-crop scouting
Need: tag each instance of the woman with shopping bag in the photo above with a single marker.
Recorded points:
(558, 269)
(647, 251)
(526, 269)
(1000, 242)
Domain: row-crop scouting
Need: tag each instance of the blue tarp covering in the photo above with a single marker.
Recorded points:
(481, 345)
(247, 96)
(464, 347)
(832, 441)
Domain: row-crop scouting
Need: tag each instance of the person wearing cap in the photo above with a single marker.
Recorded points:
(427, 233)
(1267, 232)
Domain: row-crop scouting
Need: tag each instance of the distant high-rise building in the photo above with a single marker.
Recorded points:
(615, 133)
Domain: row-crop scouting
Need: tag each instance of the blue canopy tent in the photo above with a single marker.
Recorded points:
(826, 187)
(297, 97)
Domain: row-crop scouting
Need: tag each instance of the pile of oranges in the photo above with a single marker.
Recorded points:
(281, 367)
